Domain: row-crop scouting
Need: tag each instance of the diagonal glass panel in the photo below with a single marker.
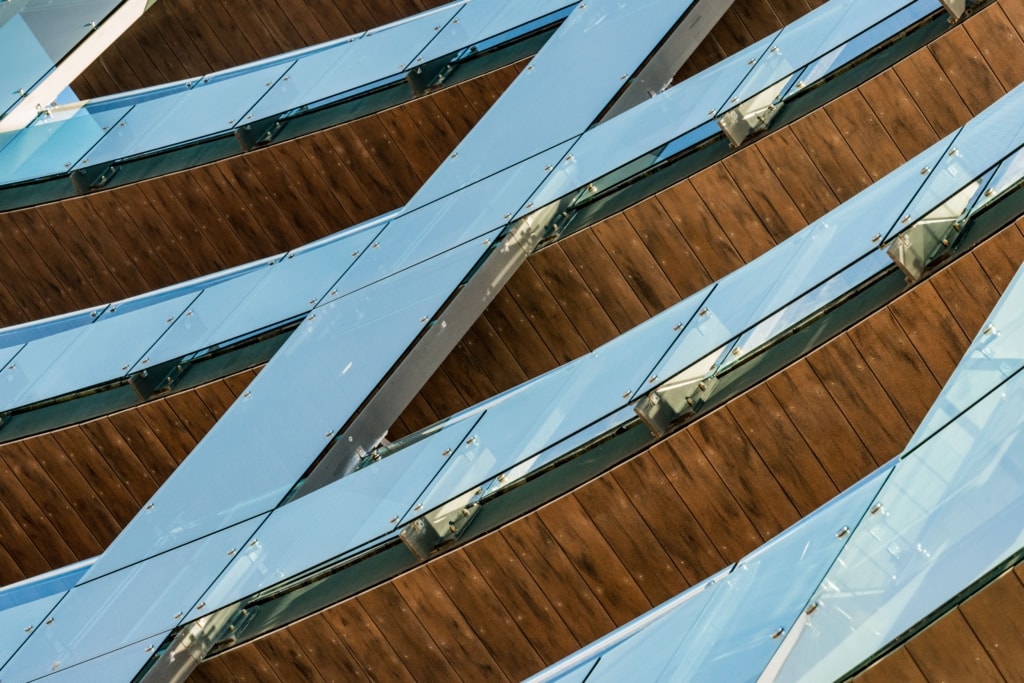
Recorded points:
(461, 216)
(120, 665)
(555, 405)
(647, 126)
(600, 43)
(283, 289)
(353, 62)
(17, 622)
(326, 369)
(994, 356)
(481, 19)
(84, 356)
(210, 105)
(136, 603)
(949, 514)
(824, 29)
(335, 519)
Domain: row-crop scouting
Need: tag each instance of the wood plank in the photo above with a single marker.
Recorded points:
(417, 650)
(665, 512)
(931, 328)
(486, 616)
(592, 556)
(949, 650)
(860, 128)
(326, 650)
(783, 450)
(834, 158)
(573, 295)
(733, 212)
(797, 171)
(700, 230)
(1001, 257)
(751, 483)
(967, 293)
(928, 85)
(636, 263)
(995, 617)
(967, 69)
(706, 495)
(861, 398)
(439, 615)
(557, 578)
(767, 195)
(630, 539)
(374, 652)
(898, 666)
(287, 658)
(998, 41)
(898, 113)
(522, 597)
(822, 424)
(672, 253)
(892, 357)
(534, 298)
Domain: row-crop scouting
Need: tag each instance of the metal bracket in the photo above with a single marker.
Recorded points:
(956, 8)
(753, 115)
(440, 528)
(674, 400)
(921, 244)
(87, 180)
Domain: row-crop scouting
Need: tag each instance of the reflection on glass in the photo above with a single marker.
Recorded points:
(949, 514)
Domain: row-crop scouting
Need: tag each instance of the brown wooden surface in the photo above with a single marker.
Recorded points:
(566, 575)
(981, 640)
(540, 587)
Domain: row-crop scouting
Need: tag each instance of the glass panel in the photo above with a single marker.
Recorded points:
(597, 44)
(823, 29)
(45, 585)
(20, 47)
(467, 214)
(480, 19)
(737, 634)
(365, 59)
(19, 621)
(290, 287)
(120, 665)
(1008, 175)
(949, 513)
(555, 406)
(88, 355)
(345, 515)
(128, 606)
(52, 145)
(59, 25)
(213, 104)
(648, 125)
(863, 42)
(311, 386)
(26, 332)
(994, 356)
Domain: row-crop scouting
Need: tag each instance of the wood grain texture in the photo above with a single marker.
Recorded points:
(651, 527)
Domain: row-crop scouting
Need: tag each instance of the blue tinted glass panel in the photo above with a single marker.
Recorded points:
(20, 46)
(210, 106)
(335, 519)
(367, 58)
(274, 293)
(51, 146)
(125, 607)
(767, 591)
(649, 125)
(597, 45)
(20, 334)
(949, 513)
(88, 355)
(467, 214)
(993, 357)
(19, 621)
(825, 28)
(120, 665)
(311, 386)
(480, 19)
(555, 406)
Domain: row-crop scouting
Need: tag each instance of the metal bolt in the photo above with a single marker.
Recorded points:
(149, 648)
(877, 237)
(446, 452)
(394, 520)
(423, 319)
(626, 394)
(778, 633)
(247, 394)
(201, 605)
(925, 170)
(329, 434)
(231, 552)
(842, 532)
(49, 621)
(876, 508)
(811, 607)
(149, 507)
(179, 615)
(677, 327)
(417, 506)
